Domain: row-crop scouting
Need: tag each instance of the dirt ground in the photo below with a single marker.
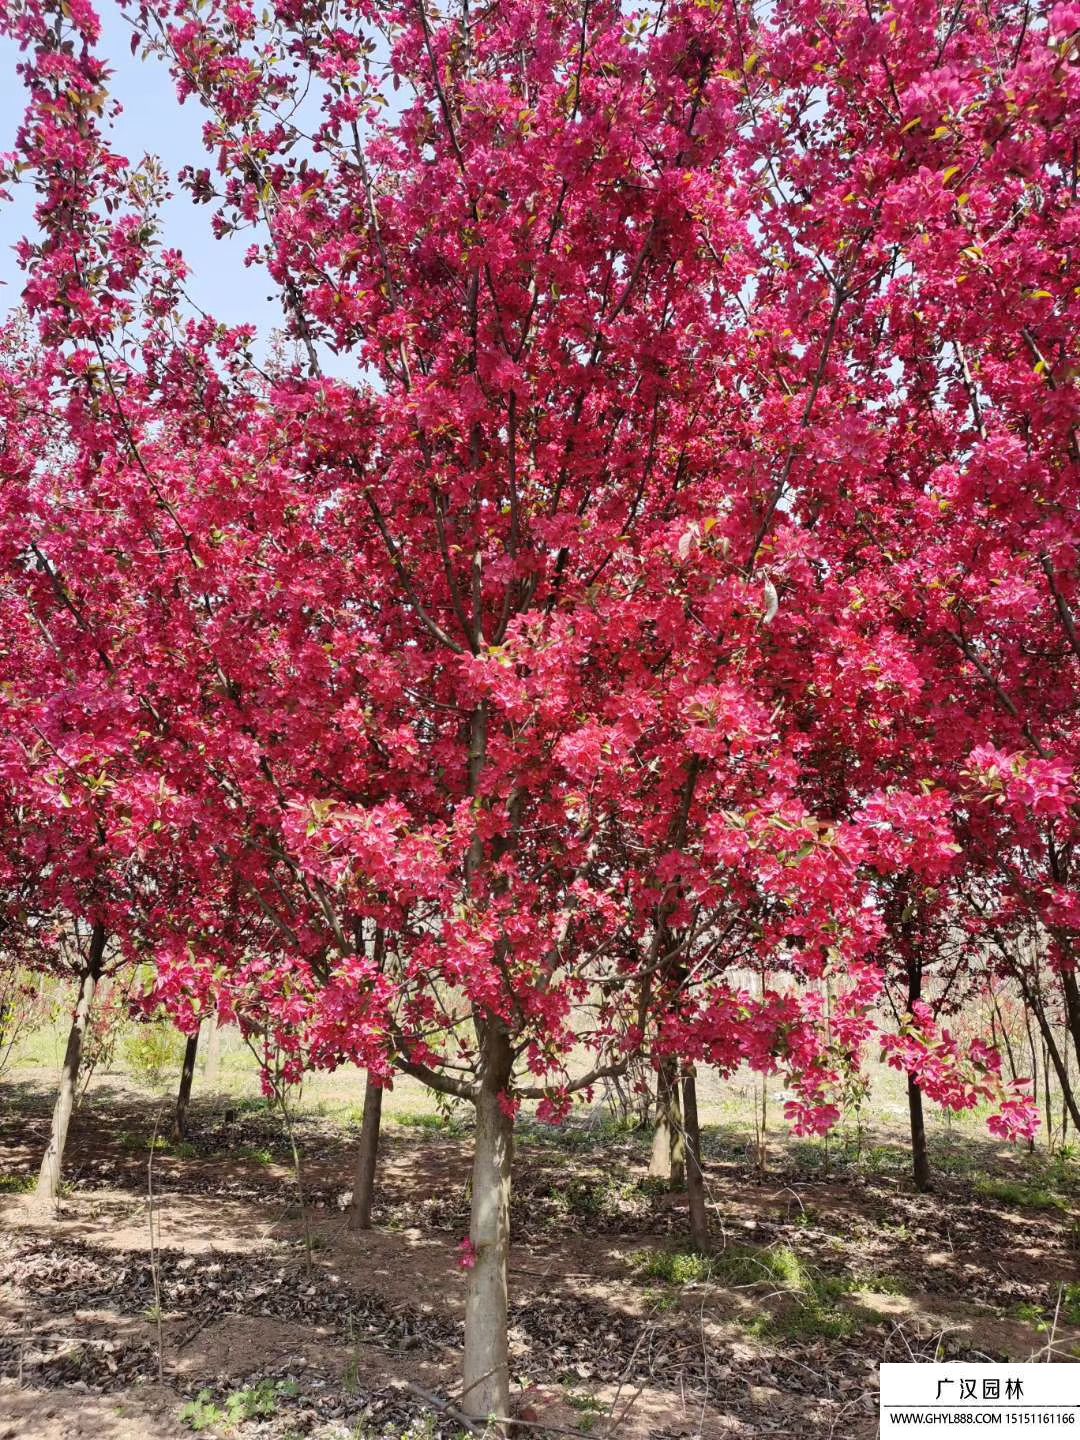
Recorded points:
(154, 1285)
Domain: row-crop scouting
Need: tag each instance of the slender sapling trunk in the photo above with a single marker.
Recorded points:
(920, 1159)
(668, 1151)
(48, 1185)
(366, 1157)
(920, 1156)
(187, 1075)
(695, 1178)
(487, 1360)
(212, 1058)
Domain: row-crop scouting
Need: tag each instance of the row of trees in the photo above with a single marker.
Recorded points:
(657, 561)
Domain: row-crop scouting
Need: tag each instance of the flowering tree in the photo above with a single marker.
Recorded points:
(563, 625)
(63, 880)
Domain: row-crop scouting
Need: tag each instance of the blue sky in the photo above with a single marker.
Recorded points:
(151, 121)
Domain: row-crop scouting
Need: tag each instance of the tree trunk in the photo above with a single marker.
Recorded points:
(367, 1155)
(1072, 1007)
(660, 1159)
(920, 1159)
(212, 1055)
(1066, 1096)
(695, 1179)
(1032, 1051)
(187, 1075)
(487, 1361)
(1048, 1097)
(1059, 1061)
(668, 1150)
(48, 1185)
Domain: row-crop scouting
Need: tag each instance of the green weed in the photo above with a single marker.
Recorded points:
(587, 1407)
(809, 1298)
(1021, 1193)
(674, 1267)
(1041, 1317)
(256, 1154)
(202, 1413)
(253, 1402)
(431, 1124)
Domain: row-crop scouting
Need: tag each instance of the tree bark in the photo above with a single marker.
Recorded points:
(1057, 1059)
(920, 1158)
(212, 1055)
(1033, 1052)
(668, 1150)
(187, 1075)
(1067, 1102)
(1071, 991)
(487, 1359)
(367, 1155)
(695, 1178)
(48, 1185)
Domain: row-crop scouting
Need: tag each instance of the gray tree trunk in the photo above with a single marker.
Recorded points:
(367, 1155)
(920, 1156)
(487, 1361)
(212, 1065)
(667, 1161)
(187, 1075)
(1059, 1059)
(48, 1185)
(695, 1177)
(1071, 990)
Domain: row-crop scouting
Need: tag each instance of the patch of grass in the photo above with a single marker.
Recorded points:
(1042, 1316)
(256, 1154)
(809, 1320)
(947, 1160)
(885, 1160)
(253, 1402)
(258, 1402)
(134, 1144)
(1031, 1315)
(202, 1413)
(898, 1230)
(778, 1266)
(880, 1284)
(674, 1267)
(591, 1197)
(16, 1184)
(577, 1138)
(660, 1300)
(587, 1407)
(183, 1150)
(431, 1123)
(317, 1241)
(253, 1105)
(652, 1187)
(426, 1428)
(809, 1299)
(1020, 1193)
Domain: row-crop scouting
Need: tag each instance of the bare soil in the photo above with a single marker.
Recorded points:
(108, 1328)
